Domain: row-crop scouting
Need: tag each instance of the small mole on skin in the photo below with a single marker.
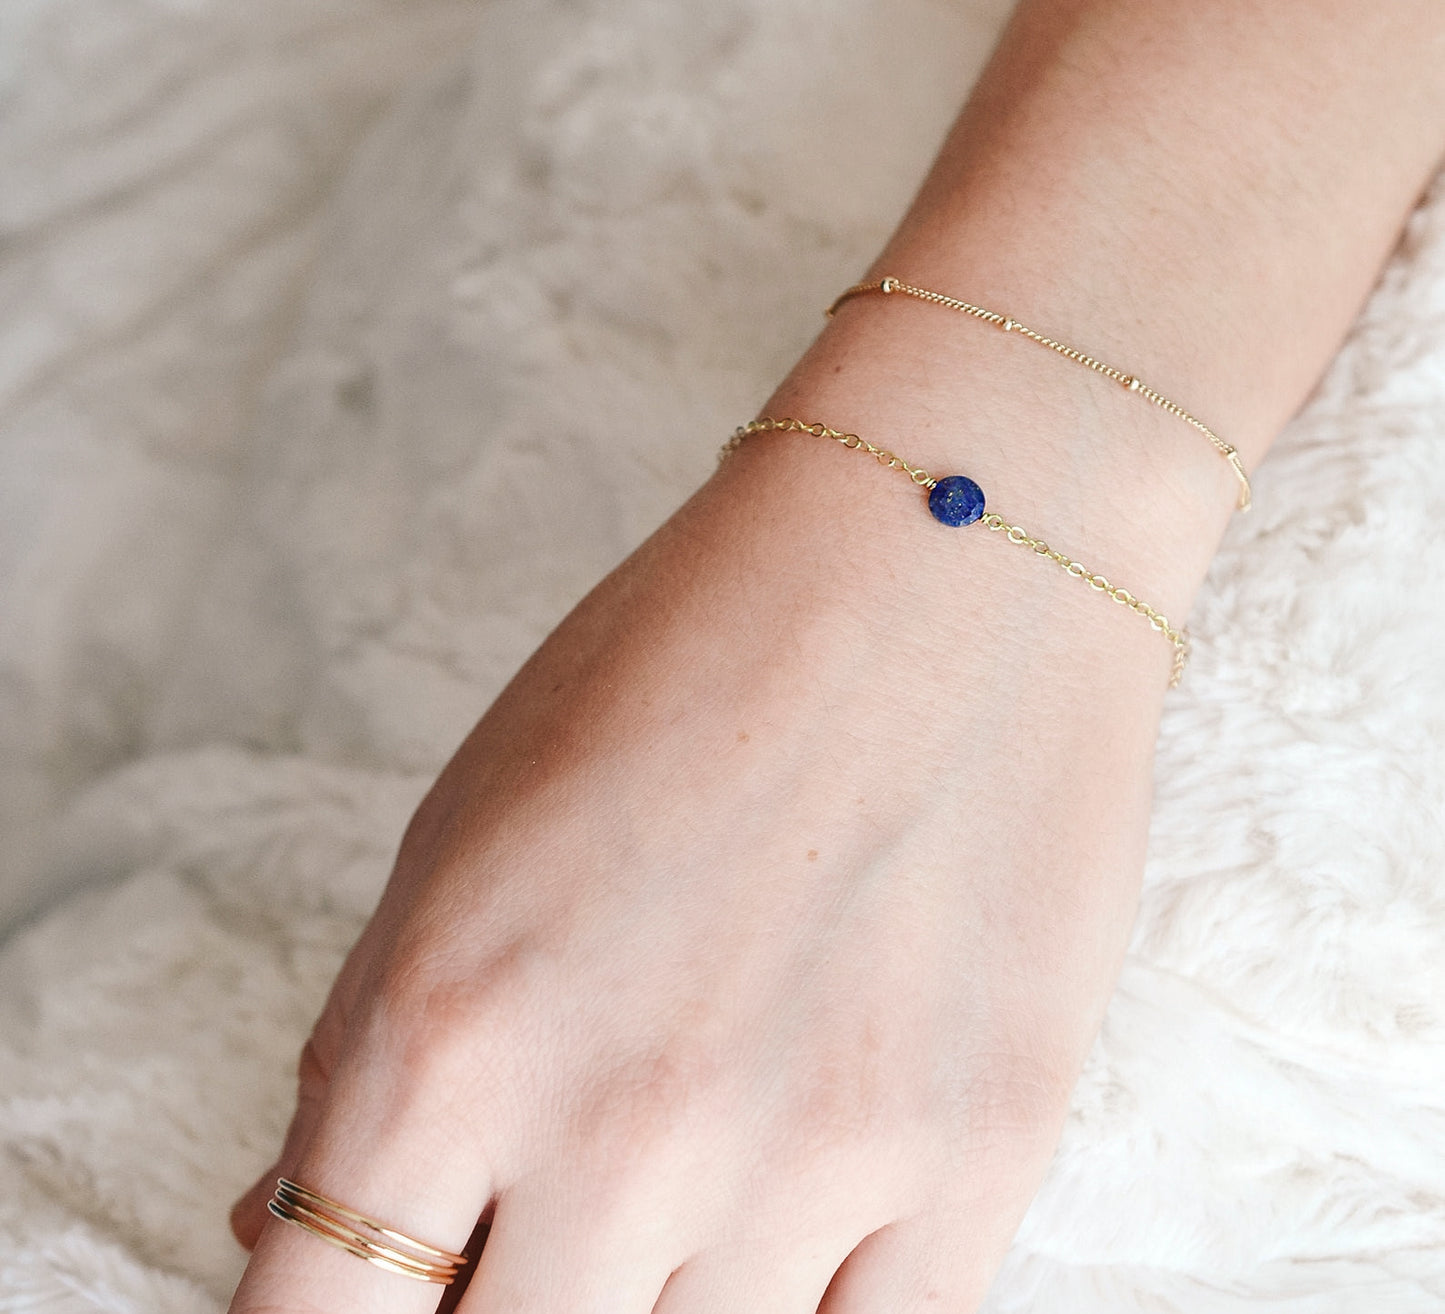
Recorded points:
(812, 855)
(742, 736)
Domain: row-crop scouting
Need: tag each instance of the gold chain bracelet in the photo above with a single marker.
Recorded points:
(957, 500)
(1131, 382)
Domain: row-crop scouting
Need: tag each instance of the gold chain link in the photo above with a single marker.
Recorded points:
(1178, 638)
(1131, 382)
(851, 440)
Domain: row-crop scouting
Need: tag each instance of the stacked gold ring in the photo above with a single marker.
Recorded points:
(362, 1236)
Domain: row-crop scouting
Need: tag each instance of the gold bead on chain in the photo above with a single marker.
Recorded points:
(1131, 382)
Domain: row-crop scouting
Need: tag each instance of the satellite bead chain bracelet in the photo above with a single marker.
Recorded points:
(1131, 382)
(958, 500)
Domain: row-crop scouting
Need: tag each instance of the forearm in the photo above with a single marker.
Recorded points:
(1201, 194)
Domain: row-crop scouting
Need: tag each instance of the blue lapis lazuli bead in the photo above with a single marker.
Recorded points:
(956, 500)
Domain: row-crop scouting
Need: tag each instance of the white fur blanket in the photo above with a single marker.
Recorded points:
(308, 302)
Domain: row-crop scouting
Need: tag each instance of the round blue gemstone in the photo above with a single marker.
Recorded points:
(956, 500)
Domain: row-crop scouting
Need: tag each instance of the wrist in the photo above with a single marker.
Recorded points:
(1117, 484)
(930, 597)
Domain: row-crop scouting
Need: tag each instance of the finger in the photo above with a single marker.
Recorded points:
(916, 1266)
(399, 1137)
(319, 1056)
(555, 1247)
(476, 1243)
(771, 1280)
(248, 1215)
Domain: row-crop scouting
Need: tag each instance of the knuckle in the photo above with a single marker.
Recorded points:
(848, 1118)
(845, 1105)
(449, 1026)
(644, 1109)
(324, 1046)
(1012, 1099)
(313, 1069)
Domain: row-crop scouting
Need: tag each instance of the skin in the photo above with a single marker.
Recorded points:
(745, 954)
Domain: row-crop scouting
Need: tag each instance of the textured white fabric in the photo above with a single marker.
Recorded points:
(314, 312)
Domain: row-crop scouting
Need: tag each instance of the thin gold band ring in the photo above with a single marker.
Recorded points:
(360, 1235)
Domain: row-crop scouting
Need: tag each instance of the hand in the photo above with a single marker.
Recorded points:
(759, 928)
(745, 954)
